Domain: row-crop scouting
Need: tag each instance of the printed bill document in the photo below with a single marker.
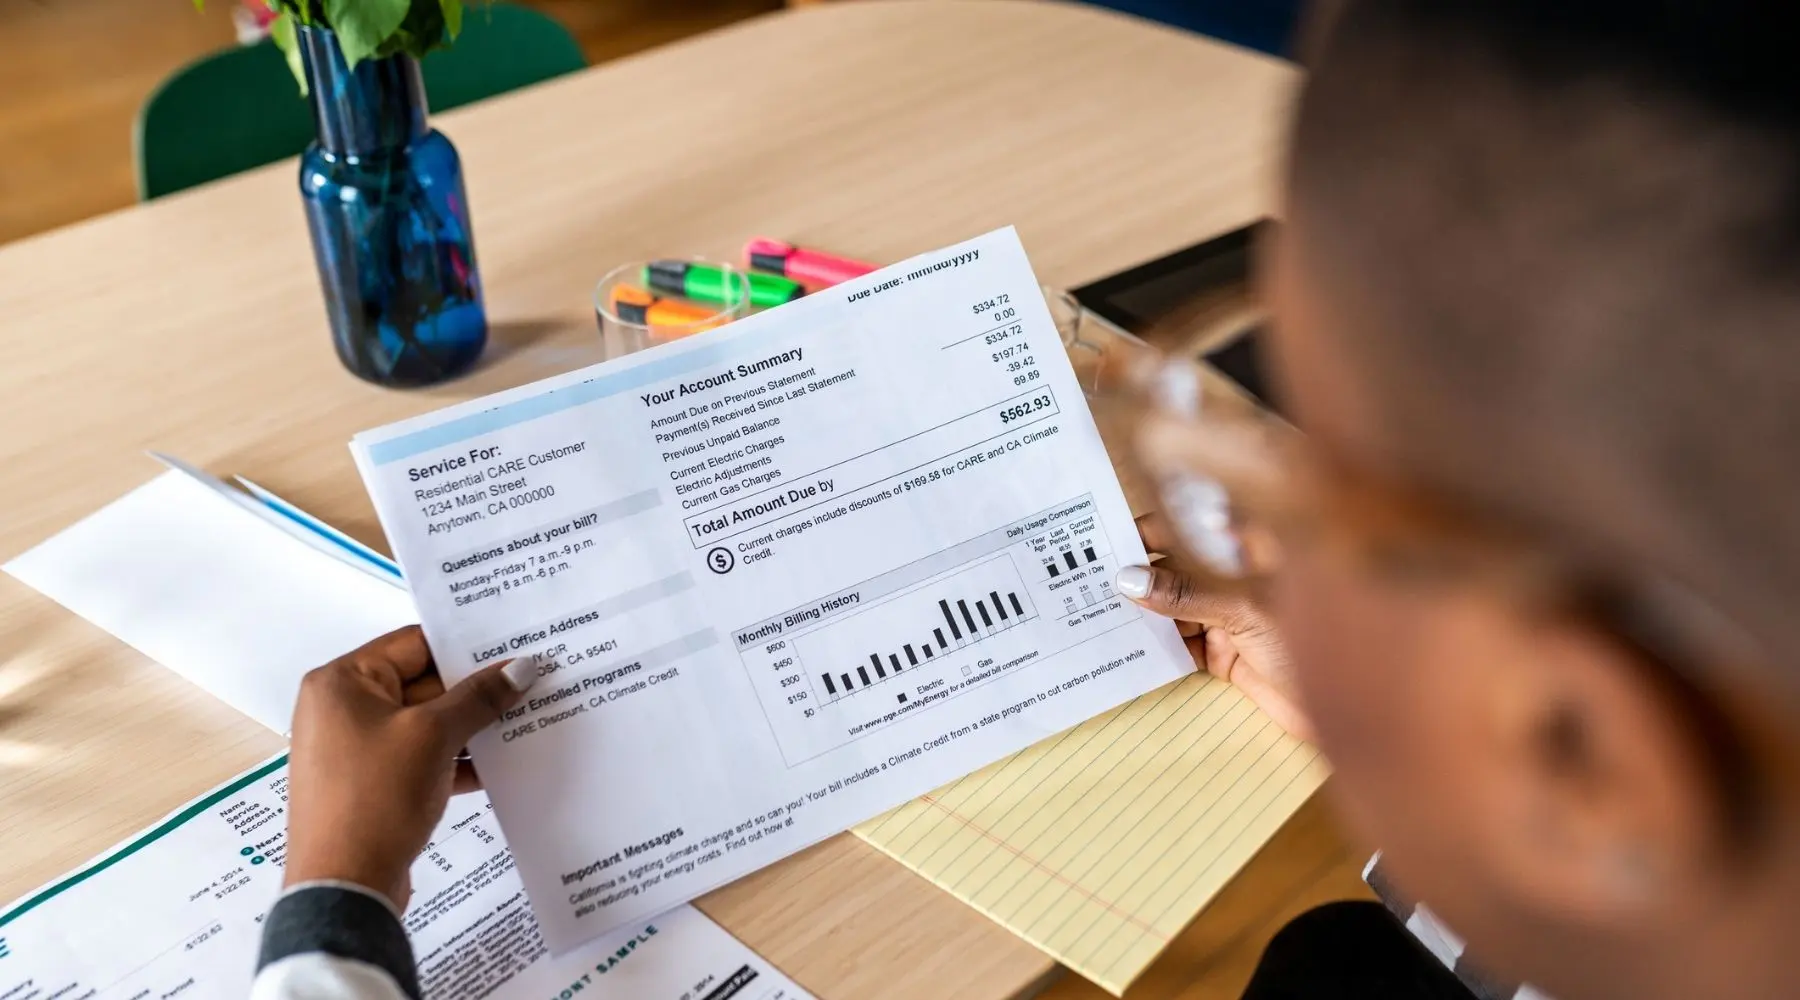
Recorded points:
(775, 578)
(177, 911)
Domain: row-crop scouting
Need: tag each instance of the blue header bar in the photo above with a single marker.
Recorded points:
(556, 400)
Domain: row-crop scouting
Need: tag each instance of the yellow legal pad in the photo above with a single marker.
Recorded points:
(1099, 844)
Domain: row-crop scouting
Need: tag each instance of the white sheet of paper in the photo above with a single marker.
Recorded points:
(204, 588)
(776, 578)
(177, 911)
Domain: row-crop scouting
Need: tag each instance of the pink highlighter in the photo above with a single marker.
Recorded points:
(809, 267)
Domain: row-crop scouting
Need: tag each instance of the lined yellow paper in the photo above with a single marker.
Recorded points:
(1099, 844)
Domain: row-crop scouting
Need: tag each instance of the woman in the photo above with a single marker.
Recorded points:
(1534, 303)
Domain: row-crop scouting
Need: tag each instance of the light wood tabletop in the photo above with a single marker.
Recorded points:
(194, 325)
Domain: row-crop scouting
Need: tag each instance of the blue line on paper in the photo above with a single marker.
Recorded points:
(555, 401)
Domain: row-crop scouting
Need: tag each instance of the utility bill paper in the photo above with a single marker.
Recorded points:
(177, 912)
(776, 578)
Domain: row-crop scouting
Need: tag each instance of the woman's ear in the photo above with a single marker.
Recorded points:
(1615, 792)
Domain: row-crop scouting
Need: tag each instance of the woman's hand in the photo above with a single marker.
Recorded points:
(1231, 637)
(373, 762)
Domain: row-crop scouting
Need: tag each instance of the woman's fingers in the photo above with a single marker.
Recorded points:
(1219, 652)
(422, 690)
(1158, 534)
(1174, 594)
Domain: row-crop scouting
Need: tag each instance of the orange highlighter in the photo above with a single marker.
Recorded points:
(668, 319)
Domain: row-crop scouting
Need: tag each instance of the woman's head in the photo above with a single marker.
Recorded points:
(1541, 263)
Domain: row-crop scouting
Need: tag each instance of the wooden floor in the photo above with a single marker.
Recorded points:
(73, 73)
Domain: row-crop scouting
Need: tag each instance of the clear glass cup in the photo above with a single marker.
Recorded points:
(633, 316)
(1084, 335)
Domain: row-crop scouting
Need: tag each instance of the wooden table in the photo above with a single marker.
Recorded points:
(194, 325)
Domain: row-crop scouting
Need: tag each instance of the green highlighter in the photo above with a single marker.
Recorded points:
(707, 283)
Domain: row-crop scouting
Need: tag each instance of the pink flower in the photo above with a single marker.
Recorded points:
(259, 12)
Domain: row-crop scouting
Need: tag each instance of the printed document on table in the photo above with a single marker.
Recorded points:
(212, 592)
(177, 911)
(776, 578)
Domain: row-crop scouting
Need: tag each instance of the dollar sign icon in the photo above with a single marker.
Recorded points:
(720, 560)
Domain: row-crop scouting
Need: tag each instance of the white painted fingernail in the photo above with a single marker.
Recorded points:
(521, 673)
(1134, 582)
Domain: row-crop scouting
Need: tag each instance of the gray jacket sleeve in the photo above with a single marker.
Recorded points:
(334, 941)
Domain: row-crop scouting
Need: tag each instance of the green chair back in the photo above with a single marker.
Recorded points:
(239, 109)
(225, 113)
(502, 47)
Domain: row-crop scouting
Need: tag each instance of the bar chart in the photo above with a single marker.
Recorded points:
(938, 619)
(908, 639)
(1077, 566)
(1070, 561)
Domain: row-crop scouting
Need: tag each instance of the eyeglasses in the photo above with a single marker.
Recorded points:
(1240, 488)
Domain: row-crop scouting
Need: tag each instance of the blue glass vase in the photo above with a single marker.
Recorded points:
(390, 222)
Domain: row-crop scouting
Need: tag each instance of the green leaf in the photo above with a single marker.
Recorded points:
(362, 26)
(291, 7)
(453, 12)
(397, 43)
(422, 31)
(281, 32)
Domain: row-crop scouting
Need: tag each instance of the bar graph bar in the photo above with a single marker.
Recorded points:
(911, 659)
(1088, 555)
(896, 662)
(927, 650)
(829, 687)
(969, 619)
(847, 685)
(1017, 609)
(986, 621)
(863, 672)
(994, 595)
(875, 661)
(940, 632)
(955, 633)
